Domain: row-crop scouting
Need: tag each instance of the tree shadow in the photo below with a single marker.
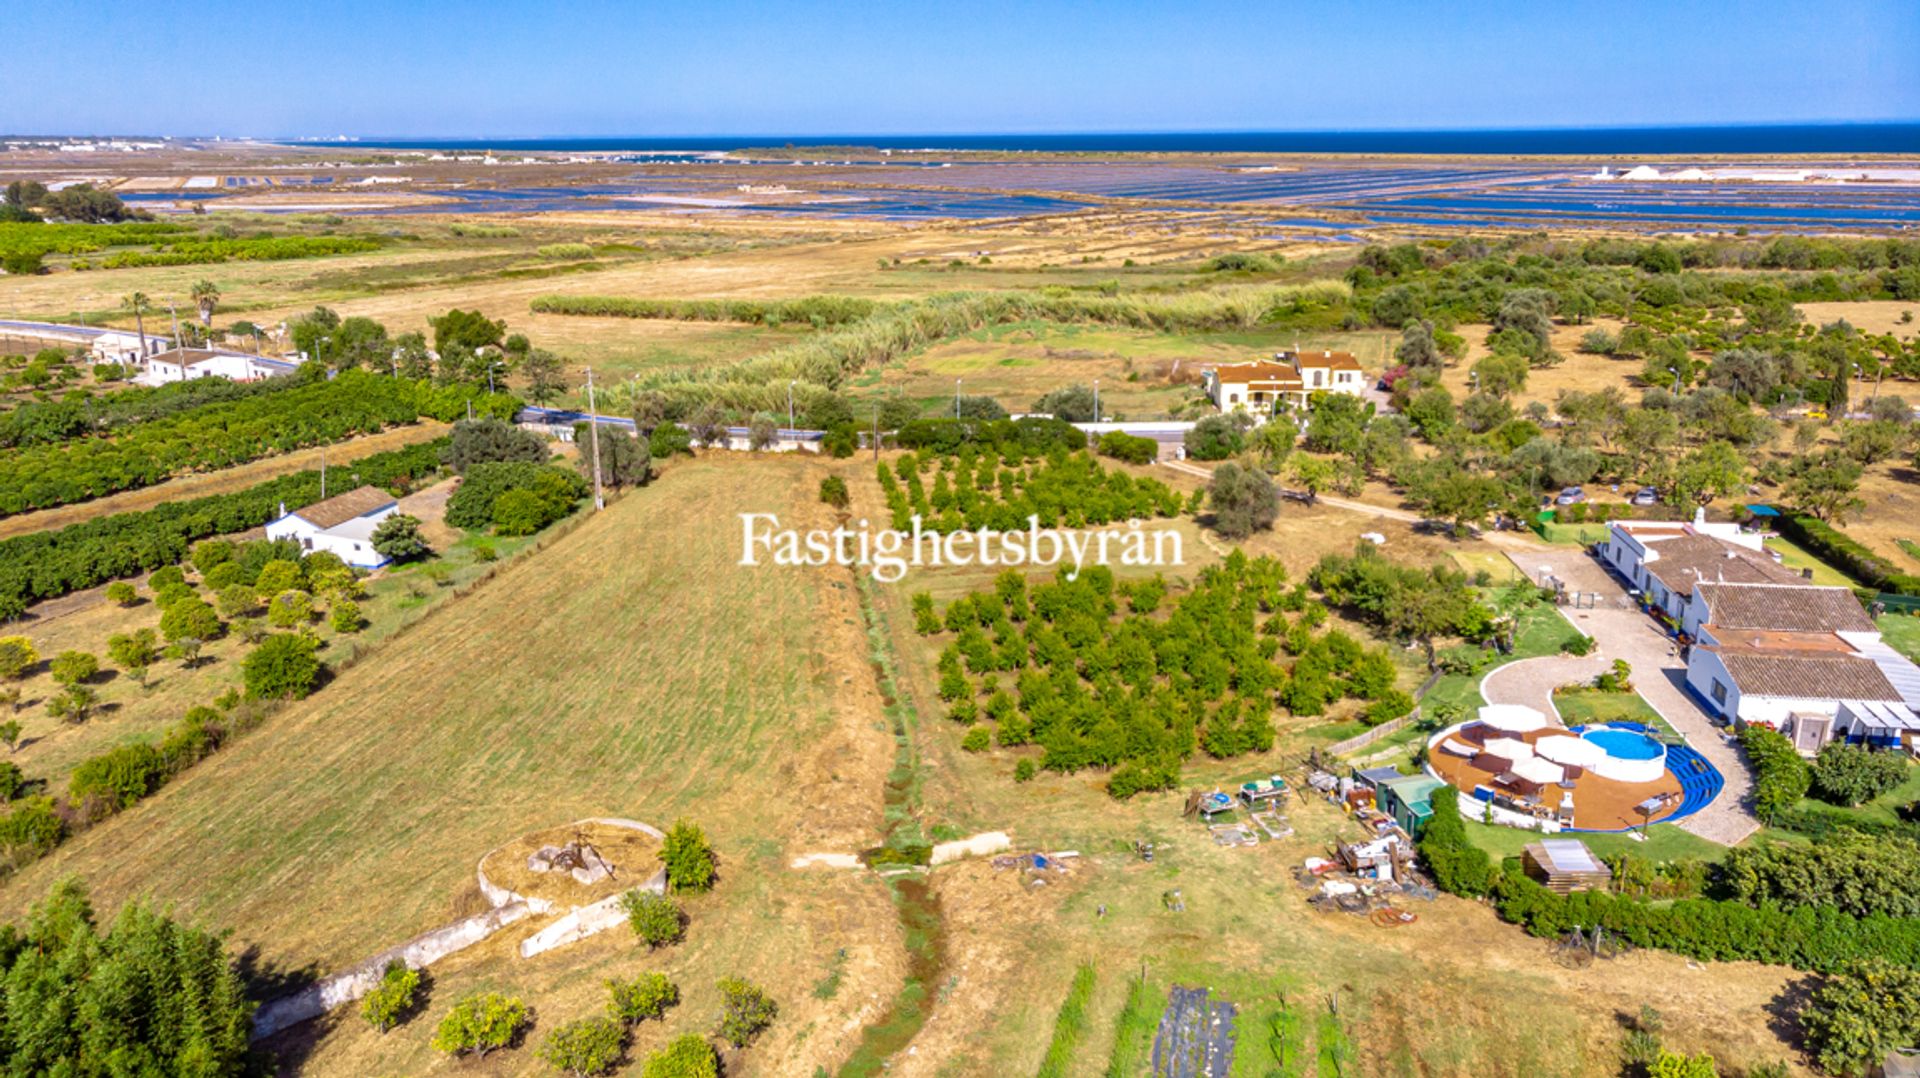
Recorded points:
(266, 980)
(1783, 1010)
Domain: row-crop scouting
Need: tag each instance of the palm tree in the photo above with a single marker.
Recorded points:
(206, 295)
(139, 304)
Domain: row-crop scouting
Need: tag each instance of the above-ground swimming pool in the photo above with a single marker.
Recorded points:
(1632, 756)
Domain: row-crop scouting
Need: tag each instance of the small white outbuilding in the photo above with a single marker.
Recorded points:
(342, 524)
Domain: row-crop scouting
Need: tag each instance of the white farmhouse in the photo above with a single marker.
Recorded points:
(1803, 659)
(1664, 560)
(183, 364)
(342, 524)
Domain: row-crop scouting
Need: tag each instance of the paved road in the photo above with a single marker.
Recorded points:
(1622, 632)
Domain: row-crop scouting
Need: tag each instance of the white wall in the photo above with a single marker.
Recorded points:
(1703, 669)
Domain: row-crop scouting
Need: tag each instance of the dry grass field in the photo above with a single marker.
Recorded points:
(591, 680)
(1141, 374)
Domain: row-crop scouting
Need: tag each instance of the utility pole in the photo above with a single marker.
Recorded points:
(593, 424)
(876, 430)
(175, 315)
(789, 404)
(323, 473)
(1096, 400)
(956, 398)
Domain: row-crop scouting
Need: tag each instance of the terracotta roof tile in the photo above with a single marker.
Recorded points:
(344, 507)
(1807, 675)
(1795, 608)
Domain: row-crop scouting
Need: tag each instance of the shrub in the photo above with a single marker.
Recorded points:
(686, 1056)
(290, 609)
(1141, 776)
(1392, 705)
(669, 439)
(1852, 774)
(1216, 437)
(392, 1000)
(646, 996)
(17, 656)
(833, 491)
(688, 857)
(398, 537)
(745, 1010)
(282, 667)
(278, 575)
(977, 739)
(190, 619)
(1458, 866)
(586, 1046)
(1023, 771)
(656, 919)
(564, 252)
(118, 777)
(1856, 1017)
(1781, 776)
(345, 617)
(481, 1023)
(30, 829)
(122, 593)
(13, 781)
(473, 505)
(1579, 644)
(1123, 446)
(72, 668)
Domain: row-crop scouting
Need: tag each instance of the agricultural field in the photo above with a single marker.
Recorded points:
(625, 664)
(317, 840)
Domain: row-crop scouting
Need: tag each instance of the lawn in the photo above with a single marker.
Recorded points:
(1797, 558)
(1584, 707)
(1902, 633)
(1541, 632)
(1666, 842)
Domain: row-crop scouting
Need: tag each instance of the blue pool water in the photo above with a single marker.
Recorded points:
(1625, 744)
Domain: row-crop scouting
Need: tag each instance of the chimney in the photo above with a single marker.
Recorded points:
(1700, 516)
(283, 508)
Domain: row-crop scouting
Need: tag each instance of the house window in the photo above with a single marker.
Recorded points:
(1719, 692)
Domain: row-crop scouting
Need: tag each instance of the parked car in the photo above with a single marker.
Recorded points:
(1646, 496)
(1571, 496)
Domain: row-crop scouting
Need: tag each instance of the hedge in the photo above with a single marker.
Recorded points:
(1819, 938)
(1030, 437)
(44, 565)
(1832, 546)
(821, 310)
(224, 435)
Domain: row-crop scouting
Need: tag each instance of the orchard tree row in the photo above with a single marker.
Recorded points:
(1061, 665)
(973, 489)
(224, 434)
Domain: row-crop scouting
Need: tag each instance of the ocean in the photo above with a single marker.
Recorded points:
(1833, 138)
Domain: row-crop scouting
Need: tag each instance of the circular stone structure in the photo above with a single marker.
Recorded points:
(1631, 756)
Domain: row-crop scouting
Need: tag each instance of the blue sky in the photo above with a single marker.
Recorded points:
(583, 67)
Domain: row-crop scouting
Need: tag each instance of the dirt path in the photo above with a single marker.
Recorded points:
(224, 481)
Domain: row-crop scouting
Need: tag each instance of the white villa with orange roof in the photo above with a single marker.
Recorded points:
(1289, 380)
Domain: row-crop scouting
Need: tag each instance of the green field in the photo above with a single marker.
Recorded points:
(1584, 707)
(1797, 558)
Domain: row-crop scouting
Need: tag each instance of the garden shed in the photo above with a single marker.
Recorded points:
(1408, 800)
